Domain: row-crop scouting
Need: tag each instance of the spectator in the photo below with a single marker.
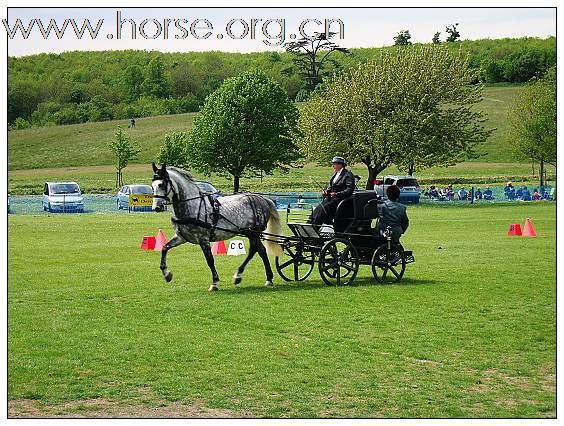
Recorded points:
(433, 192)
(488, 195)
(525, 194)
(509, 191)
(478, 194)
(536, 195)
(462, 194)
(519, 193)
(449, 192)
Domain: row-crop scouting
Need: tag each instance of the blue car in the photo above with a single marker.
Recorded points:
(122, 201)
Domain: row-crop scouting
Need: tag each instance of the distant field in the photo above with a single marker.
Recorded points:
(80, 145)
(101, 179)
(94, 330)
(79, 152)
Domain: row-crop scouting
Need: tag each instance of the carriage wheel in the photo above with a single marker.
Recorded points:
(296, 263)
(388, 263)
(338, 262)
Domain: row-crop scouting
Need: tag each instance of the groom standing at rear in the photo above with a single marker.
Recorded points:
(341, 186)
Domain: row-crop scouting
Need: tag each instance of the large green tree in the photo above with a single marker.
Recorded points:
(533, 123)
(244, 127)
(412, 107)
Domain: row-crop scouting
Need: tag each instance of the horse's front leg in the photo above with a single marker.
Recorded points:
(174, 241)
(239, 273)
(206, 248)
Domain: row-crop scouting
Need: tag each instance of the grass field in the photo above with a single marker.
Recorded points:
(93, 330)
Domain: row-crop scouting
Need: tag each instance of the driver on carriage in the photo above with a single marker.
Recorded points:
(341, 186)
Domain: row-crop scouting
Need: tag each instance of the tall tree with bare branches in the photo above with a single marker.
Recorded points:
(311, 54)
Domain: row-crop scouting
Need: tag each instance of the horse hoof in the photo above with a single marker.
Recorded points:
(168, 277)
(268, 284)
(237, 279)
(213, 287)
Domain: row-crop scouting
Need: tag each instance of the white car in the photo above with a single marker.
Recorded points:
(64, 197)
(410, 191)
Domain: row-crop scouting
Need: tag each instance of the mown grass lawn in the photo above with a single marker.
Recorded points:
(470, 332)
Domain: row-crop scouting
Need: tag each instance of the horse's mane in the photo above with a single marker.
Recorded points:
(184, 173)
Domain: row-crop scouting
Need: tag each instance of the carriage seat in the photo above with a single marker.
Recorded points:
(357, 211)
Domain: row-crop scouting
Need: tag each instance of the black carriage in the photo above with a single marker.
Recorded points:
(340, 248)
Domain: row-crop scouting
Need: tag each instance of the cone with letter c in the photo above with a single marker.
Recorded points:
(528, 230)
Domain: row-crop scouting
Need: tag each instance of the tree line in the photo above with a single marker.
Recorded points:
(76, 87)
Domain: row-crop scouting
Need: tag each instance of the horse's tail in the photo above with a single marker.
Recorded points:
(273, 228)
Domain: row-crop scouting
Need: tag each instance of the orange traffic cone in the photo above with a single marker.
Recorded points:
(148, 243)
(528, 230)
(514, 230)
(218, 247)
(160, 241)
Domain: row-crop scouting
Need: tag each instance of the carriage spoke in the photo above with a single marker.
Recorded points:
(296, 271)
(384, 273)
(288, 262)
(328, 266)
(394, 272)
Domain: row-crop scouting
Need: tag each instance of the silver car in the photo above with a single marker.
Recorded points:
(122, 201)
(208, 188)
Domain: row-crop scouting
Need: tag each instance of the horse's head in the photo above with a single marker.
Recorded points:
(162, 188)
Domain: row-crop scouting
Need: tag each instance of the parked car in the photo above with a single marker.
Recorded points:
(208, 188)
(410, 191)
(64, 197)
(122, 200)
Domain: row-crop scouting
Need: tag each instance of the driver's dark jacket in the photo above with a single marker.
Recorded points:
(344, 186)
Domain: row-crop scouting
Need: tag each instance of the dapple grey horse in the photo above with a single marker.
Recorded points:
(200, 219)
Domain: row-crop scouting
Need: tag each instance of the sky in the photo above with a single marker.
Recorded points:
(259, 29)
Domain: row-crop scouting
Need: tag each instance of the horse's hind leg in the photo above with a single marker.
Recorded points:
(205, 245)
(239, 274)
(174, 241)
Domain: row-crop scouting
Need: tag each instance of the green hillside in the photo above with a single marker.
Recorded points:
(86, 86)
(80, 145)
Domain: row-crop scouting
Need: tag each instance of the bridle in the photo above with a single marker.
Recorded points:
(169, 188)
(166, 180)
